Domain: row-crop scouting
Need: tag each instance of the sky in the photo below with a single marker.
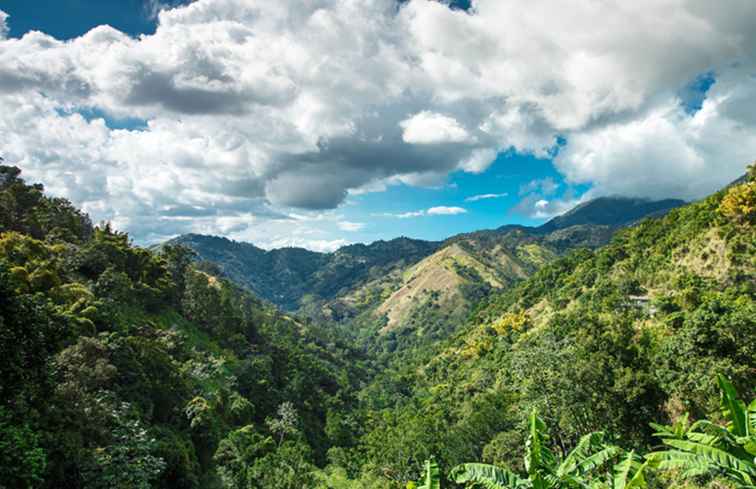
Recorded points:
(319, 123)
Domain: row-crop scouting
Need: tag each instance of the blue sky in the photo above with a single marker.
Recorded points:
(66, 19)
(504, 183)
(285, 124)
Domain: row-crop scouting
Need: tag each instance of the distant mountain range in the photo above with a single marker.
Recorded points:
(611, 211)
(387, 285)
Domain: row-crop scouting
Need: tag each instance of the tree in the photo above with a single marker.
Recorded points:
(178, 260)
(707, 448)
(129, 461)
(286, 423)
(22, 461)
(585, 466)
(248, 459)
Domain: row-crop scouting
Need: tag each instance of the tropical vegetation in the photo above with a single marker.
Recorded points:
(126, 367)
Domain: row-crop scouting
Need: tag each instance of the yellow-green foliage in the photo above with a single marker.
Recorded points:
(535, 254)
(740, 203)
(509, 322)
(36, 263)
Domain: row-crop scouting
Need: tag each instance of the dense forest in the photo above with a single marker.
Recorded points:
(629, 365)
(127, 369)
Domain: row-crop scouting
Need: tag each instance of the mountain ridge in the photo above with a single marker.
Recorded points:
(404, 293)
(589, 224)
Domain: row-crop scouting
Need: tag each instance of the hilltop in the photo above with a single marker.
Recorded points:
(413, 291)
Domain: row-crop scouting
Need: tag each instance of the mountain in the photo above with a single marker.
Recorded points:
(411, 292)
(598, 340)
(610, 211)
(285, 276)
(124, 368)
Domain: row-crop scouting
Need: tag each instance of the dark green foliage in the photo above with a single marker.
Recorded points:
(22, 461)
(251, 460)
(284, 276)
(709, 449)
(124, 368)
(24, 208)
(128, 368)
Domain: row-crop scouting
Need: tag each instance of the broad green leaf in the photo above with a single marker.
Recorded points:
(432, 476)
(630, 473)
(733, 408)
(586, 447)
(488, 476)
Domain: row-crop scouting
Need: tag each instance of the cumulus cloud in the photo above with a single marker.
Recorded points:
(431, 128)
(476, 198)
(249, 108)
(152, 8)
(665, 153)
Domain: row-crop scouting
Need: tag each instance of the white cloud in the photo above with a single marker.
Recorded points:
(445, 211)
(431, 128)
(666, 153)
(3, 25)
(432, 211)
(538, 208)
(153, 7)
(476, 198)
(539, 199)
(407, 215)
(479, 160)
(321, 245)
(543, 186)
(351, 226)
(250, 107)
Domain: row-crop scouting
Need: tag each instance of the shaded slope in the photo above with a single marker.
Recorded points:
(610, 211)
(285, 275)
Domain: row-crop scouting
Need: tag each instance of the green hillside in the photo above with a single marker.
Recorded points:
(402, 295)
(127, 368)
(287, 277)
(606, 340)
(123, 368)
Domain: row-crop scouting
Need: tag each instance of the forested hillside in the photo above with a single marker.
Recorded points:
(400, 296)
(122, 368)
(127, 368)
(289, 277)
(598, 341)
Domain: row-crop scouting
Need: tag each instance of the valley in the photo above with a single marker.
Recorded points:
(406, 293)
(377, 365)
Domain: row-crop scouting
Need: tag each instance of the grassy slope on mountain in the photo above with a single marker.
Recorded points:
(124, 368)
(429, 300)
(285, 276)
(398, 296)
(580, 342)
